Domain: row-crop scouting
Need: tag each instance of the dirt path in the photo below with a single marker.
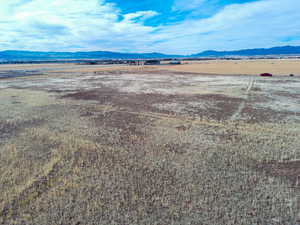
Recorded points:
(237, 114)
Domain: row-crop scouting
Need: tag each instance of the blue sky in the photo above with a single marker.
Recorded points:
(168, 26)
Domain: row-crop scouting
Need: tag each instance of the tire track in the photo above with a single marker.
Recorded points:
(237, 114)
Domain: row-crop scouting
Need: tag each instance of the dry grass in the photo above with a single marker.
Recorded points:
(200, 175)
(250, 67)
(122, 162)
(221, 67)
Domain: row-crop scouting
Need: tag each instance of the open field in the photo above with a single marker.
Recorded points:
(220, 67)
(249, 67)
(152, 145)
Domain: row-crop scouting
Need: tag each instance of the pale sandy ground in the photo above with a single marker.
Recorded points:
(222, 67)
(249, 67)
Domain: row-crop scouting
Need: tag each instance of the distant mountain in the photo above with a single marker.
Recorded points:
(285, 50)
(99, 55)
(30, 55)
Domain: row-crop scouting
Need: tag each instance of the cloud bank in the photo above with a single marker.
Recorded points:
(89, 25)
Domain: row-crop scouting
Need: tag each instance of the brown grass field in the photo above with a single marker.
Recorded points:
(155, 145)
(220, 67)
(249, 67)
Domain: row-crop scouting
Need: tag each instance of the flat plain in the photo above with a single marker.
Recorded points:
(207, 142)
(238, 67)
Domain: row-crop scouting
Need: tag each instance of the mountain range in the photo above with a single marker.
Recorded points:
(285, 50)
(11, 55)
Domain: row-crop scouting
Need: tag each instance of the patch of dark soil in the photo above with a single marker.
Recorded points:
(287, 94)
(119, 119)
(183, 128)
(133, 101)
(224, 106)
(18, 73)
(258, 114)
(10, 128)
(56, 91)
(18, 87)
(87, 114)
(256, 89)
(176, 148)
(97, 94)
(16, 102)
(288, 170)
(129, 126)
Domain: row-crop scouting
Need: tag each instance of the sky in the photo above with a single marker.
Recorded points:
(166, 26)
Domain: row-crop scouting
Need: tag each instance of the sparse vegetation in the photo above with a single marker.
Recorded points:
(103, 156)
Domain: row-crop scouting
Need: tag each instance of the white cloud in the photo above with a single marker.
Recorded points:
(141, 15)
(71, 25)
(61, 24)
(262, 23)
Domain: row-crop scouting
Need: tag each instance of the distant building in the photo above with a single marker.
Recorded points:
(152, 62)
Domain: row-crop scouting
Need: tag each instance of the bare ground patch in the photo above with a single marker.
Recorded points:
(213, 106)
(130, 128)
(289, 170)
(223, 108)
(254, 114)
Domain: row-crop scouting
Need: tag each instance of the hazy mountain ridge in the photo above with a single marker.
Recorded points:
(34, 55)
(11, 55)
(285, 50)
